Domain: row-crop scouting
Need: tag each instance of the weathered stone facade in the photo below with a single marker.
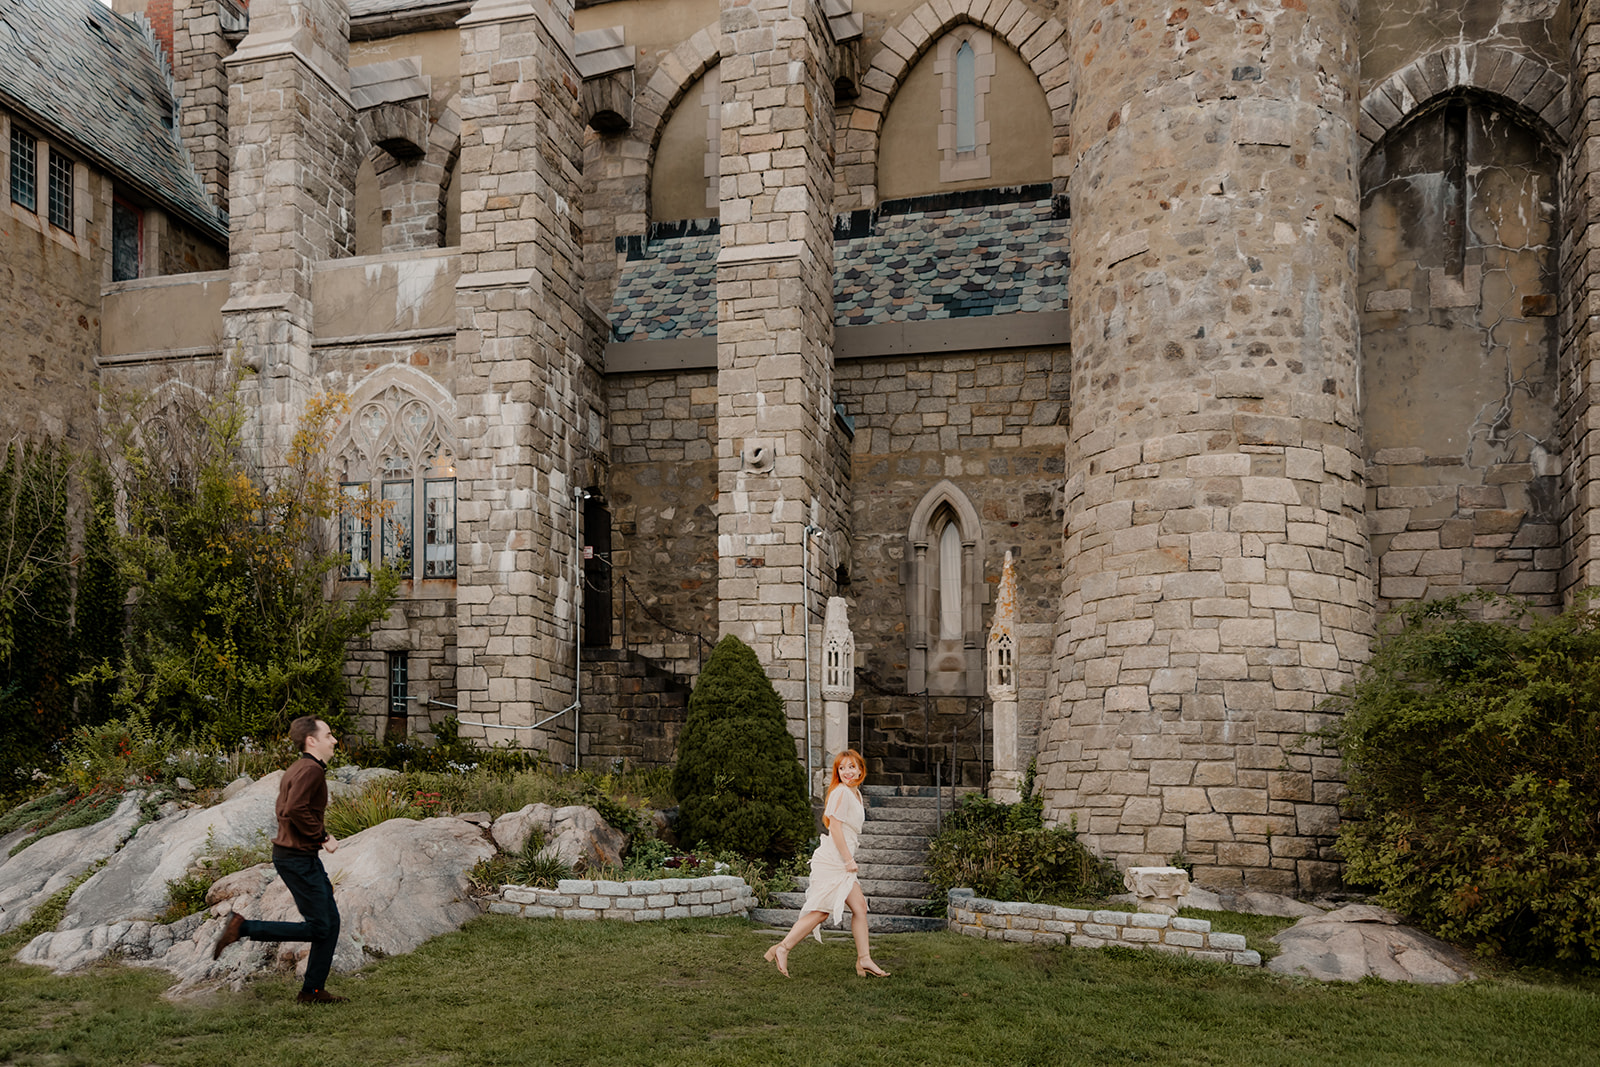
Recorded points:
(1264, 320)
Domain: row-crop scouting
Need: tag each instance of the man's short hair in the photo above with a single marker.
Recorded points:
(301, 729)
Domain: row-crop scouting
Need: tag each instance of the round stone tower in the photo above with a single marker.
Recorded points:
(1217, 570)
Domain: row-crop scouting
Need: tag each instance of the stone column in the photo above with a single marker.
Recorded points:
(774, 326)
(838, 688)
(199, 52)
(519, 328)
(1580, 310)
(291, 128)
(1005, 779)
(1217, 579)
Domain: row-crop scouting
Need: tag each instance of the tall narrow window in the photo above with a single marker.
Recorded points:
(24, 170)
(127, 241)
(355, 531)
(399, 693)
(943, 593)
(950, 628)
(399, 514)
(966, 98)
(439, 528)
(60, 191)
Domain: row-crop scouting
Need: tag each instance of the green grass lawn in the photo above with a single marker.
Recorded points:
(696, 992)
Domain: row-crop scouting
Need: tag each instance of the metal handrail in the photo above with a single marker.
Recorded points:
(700, 641)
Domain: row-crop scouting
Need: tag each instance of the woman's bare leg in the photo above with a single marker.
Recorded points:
(779, 953)
(860, 929)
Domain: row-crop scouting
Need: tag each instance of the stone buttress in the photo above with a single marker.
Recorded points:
(1580, 310)
(774, 328)
(1216, 563)
(519, 323)
(294, 158)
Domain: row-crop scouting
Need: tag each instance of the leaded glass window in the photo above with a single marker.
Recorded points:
(24, 170)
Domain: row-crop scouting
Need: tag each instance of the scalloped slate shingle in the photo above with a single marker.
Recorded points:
(96, 83)
(942, 264)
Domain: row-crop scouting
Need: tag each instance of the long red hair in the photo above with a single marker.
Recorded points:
(833, 775)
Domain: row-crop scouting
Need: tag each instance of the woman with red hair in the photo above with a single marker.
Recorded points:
(833, 882)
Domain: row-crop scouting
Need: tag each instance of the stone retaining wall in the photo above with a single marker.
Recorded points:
(668, 898)
(1045, 924)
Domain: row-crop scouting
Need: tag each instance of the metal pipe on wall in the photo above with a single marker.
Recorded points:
(805, 613)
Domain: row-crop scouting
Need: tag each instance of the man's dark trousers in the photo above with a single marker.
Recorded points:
(308, 883)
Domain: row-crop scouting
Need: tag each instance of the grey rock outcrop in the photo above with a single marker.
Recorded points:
(33, 875)
(1358, 940)
(571, 833)
(396, 884)
(132, 886)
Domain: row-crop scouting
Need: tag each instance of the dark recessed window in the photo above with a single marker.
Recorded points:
(24, 170)
(60, 191)
(127, 240)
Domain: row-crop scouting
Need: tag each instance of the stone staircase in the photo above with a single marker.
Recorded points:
(893, 854)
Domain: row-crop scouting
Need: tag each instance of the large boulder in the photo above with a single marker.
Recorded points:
(572, 834)
(132, 886)
(1358, 940)
(33, 875)
(396, 884)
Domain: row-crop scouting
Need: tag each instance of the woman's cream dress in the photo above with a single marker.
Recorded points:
(830, 883)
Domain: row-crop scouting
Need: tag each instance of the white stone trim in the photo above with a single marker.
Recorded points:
(956, 165)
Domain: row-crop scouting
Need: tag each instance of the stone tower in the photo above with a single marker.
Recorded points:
(774, 328)
(518, 320)
(1216, 563)
(293, 164)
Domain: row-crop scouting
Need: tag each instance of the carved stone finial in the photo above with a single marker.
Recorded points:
(1002, 637)
(838, 653)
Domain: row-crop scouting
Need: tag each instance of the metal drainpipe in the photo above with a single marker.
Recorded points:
(805, 612)
(579, 496)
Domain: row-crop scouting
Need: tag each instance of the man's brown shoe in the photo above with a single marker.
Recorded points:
(230, 934)
(320, 996)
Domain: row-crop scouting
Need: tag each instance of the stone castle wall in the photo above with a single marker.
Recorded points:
(1330, 304)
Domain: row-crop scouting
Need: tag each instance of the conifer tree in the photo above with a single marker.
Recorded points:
(738, 782)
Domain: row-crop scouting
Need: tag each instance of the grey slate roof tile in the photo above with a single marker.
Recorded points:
(96, 82)
(912, 267)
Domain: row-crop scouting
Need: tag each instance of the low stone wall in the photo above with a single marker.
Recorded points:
(667, 898)
(1045, 924)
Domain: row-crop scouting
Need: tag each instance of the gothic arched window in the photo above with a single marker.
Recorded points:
(399, 486)
(944, 597)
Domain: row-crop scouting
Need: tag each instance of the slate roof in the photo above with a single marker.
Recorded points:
(96, 82)
(943, 263)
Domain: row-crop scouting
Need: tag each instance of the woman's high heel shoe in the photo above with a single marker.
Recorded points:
(779, 955)
(865, 967)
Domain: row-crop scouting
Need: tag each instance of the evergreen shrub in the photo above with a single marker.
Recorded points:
(738, 782)
(1472, 750)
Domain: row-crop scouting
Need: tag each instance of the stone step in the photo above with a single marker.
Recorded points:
(915, 791)
(894, 857)
(885, 905)
(910, 889)
(877, 922)
(877, 842)
(896, 814)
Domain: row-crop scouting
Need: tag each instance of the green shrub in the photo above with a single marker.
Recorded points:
(78, 810)
(530, 866)
(739, 784)
(187, 895)
(377, 803)
(1005, 852)
(1472, 749)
